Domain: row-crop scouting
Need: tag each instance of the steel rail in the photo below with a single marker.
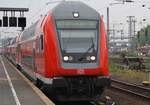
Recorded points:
(131, 88)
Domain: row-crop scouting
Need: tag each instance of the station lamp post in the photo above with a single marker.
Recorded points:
(108, 18)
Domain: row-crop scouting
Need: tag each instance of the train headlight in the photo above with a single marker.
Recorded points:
(92, 58)
(70, 58)
(88, 58)
(75, 14)
(66, 58)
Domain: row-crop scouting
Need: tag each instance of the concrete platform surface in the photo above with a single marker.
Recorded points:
(15, 89)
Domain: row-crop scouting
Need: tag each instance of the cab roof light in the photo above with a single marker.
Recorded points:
(75, 14)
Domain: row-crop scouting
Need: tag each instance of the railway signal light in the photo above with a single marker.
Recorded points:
(12, 21)
(5, 21)
(21, 22)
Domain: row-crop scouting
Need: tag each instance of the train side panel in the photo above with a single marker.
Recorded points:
(27, 57)
(51, 48)
(103, 50)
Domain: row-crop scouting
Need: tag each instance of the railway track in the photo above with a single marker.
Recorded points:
(106, 100)
(131, 89)
(86, 103)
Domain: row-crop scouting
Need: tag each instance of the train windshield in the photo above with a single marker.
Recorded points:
(78, 36)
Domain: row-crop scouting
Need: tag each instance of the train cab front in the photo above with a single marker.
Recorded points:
(78, 41)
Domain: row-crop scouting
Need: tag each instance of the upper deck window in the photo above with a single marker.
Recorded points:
(28, 33)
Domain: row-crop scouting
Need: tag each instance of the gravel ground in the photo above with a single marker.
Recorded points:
(121, 98)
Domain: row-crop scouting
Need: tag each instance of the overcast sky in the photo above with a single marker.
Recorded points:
(118, 12)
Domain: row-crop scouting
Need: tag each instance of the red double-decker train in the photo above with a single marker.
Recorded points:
(65, 52)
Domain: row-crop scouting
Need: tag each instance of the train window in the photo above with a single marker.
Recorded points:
(28, 33)
(78, 40)
(77, 36)
(42, 41)
(83, 24)
(27, 60)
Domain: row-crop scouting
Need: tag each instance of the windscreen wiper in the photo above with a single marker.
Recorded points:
(91, 47)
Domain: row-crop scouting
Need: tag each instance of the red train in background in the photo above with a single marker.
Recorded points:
(65, 52)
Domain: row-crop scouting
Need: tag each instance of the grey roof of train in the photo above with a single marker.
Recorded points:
(65, 10)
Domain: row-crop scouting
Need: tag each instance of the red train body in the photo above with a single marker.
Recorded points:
(66, 53)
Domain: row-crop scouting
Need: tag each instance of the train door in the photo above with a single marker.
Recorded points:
(40, 54)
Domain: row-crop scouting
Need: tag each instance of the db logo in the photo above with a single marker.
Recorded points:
(80, 71)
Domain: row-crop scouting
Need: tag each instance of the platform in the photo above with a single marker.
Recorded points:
(15, 89)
